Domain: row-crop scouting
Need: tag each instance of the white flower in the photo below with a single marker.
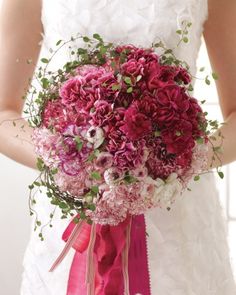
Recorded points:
(112, 176)
(95, 135)
(166, 192)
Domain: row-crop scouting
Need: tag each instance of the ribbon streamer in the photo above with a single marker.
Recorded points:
(108, 260)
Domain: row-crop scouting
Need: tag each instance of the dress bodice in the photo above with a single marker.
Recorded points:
(139, 22)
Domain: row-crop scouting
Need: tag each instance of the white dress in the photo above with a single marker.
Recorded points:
(187, 246)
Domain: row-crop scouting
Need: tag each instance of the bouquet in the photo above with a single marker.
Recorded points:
(117, 132)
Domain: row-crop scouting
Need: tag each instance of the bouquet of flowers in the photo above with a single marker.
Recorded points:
(117, 131)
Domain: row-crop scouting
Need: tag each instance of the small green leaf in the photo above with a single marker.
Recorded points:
(196, 178)
(97, 36)
(190, 87)
(207, 81)
(79, 143)
(92, 207)
(202, 69)
(76, 220)
(157, 133)
(128, 80)
(58, 42)
(179, 32)
(40, 164)
(215, 76)
(44, 60)
(185, 39)
(38, 223)
(31, 186)
(221, 174)
(45, 82)
(116, 87)
(130, 90)
(200, 140)
(86, 39)
(95, 189)
(63, 205)
(96, 175)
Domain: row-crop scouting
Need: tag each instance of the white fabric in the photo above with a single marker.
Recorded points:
(188, 251)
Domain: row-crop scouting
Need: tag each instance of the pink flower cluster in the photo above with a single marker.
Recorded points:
(130, 131)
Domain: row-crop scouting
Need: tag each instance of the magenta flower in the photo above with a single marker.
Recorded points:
(136, 124)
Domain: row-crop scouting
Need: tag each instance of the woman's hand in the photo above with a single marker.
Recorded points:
(20, 34)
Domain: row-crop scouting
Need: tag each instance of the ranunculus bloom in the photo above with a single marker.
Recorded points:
(136, 124)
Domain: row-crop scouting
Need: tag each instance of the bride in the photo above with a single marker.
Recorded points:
(187, 247)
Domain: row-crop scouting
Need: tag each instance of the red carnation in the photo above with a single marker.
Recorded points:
(136, 124)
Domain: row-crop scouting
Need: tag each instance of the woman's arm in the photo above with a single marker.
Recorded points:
(20, 34)
(220, 38)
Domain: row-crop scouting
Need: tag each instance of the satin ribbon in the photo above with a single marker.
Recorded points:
(108, 260)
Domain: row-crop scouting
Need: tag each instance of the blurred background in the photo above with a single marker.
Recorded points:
(15, 219)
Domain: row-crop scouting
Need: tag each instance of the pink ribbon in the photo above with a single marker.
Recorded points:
(108, 260)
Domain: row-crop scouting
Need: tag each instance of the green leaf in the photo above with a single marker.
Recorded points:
(76, 220)
(31, 186)
(157, 133)
(130, 90)
(86, 39)
(128, 80)
(207, 81)
(63, 205)
(116, 87)
(221, 174)
(179, 32)
(38, 223)
(214, 76)
(44, 60)
(45, 82)
(196, 178)
(200, 140)
(92, 207)
(96, 175)
(95, 189)
(190, 87)
(97, 37)
(58, 42)
(40, 164)
(79, 143)
(185, 39)
(130, 179)
(202, 69)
